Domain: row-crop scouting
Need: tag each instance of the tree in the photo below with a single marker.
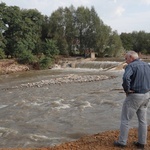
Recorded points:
(126, 39)
(63, 46)
(12, 20)
(50, 49)
(114, 48)
(137, 41)
(70, 31)
(142, 41)
(3, 28)
(31, 29)
(57, 28)
(78, 29)
(23, 27)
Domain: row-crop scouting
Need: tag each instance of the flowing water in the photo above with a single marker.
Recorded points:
(55, 113)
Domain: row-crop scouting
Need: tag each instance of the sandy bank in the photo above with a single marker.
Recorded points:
(11, 66)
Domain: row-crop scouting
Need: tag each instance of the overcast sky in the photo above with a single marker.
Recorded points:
(121, 15)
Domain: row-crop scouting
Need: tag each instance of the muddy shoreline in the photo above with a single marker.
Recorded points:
(100, 141)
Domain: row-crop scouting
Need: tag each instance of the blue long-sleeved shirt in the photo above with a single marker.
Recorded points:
(137, 77)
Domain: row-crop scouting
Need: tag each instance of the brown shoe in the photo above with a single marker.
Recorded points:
(138, 145)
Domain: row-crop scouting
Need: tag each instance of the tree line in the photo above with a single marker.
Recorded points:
(33, 38)
(137, 41)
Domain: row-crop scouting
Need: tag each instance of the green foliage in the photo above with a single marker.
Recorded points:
(144, 51)
(2, 27)
(50, 49)
(45, 63)
(126, 41)
(114, 48)
(23, 28)
(63, 46)
(102, 40)
(137, 41)
(19, 48)
(26, 57)
(2, 54)
(78, 30)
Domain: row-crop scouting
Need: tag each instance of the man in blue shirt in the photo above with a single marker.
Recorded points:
(136, 84)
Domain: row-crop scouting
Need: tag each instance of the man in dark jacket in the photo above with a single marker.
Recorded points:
(136, 84)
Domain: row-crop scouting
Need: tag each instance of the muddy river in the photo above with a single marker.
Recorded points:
(43, 116)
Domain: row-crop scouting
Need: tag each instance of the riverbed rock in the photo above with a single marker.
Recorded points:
(64, 80)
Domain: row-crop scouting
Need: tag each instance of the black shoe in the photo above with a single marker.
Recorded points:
(117, 144)
(138, 145)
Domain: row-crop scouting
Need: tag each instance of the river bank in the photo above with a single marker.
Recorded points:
(100, 141)
(10, 66)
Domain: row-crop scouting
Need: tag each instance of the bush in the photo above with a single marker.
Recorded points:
(45, 63)
(2, 54)
(26, 57)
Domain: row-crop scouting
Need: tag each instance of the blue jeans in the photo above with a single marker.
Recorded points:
(134, 104)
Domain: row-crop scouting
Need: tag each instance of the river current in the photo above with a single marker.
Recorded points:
(56, 113)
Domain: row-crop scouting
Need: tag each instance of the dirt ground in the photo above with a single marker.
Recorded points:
(100, 141)
(10, 66)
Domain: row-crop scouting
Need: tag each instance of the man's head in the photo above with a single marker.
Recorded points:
(131, 56)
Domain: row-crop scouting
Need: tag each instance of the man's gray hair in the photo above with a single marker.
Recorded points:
(133, 54)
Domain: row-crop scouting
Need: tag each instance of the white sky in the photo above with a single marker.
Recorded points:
(121, 15)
